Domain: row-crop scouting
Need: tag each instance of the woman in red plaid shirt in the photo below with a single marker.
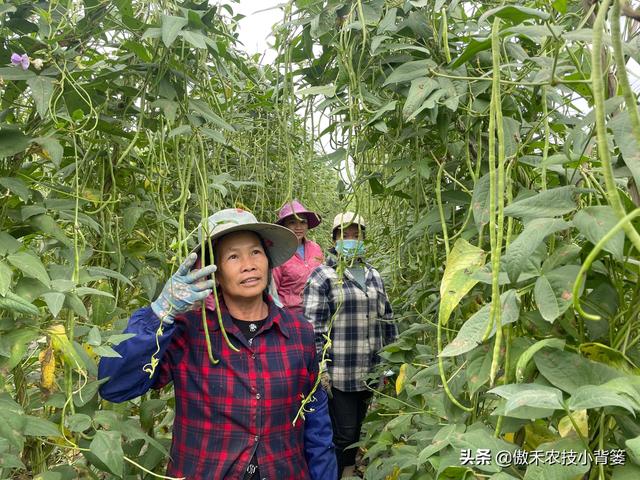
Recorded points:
(233, 419)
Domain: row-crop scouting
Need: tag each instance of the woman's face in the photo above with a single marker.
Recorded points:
(243, 266)
(352, 232)
(298, 225)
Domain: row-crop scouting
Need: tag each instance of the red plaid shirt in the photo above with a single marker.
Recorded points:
(244, 404)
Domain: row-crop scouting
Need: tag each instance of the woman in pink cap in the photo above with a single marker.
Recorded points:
(291, 276)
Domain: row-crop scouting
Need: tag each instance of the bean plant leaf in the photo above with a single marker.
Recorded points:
(6, 274)
(471, 333)
(556, 470)
(41, 92)
(30, 265)
(548, 203)
(106, 445)
(12, 141)
(8, 244)
(40, 427)
(326, 90)
(464, 260)
(55, 301)
(171, 26)
(78, 422)
(16, 186)
(598, 396)
(595, 222)
(480, 202)
(521, 249)
(569, 371)
(524, 359)
(409, 71)
(51, 149)
(194, 38)
(418, 92)
(14, 303)
(620, 125)
(553, 291)
(514, 14)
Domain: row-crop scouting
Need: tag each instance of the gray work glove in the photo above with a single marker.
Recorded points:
(183, 290)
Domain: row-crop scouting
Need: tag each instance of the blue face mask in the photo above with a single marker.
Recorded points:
(350, 248)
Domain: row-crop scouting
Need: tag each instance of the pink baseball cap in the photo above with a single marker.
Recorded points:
(294, 207)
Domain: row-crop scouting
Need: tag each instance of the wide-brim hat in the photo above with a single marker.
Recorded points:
(343, 220)
(294, 207)
(281, 243)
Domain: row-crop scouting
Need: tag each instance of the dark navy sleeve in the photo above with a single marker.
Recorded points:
(127, 379)
(318, 439)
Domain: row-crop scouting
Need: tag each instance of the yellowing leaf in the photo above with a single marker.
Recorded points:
(402, 375)
(580, 417)
(464, 260)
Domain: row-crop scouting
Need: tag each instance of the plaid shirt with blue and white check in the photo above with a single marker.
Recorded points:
(357, 320)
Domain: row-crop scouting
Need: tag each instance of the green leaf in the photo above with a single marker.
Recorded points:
(12, 140)
(473, 47)
(106, 351)
(633, 448)
(13, 73)
(409, 71)
(48, 476)
(546, 299)
(14, 303)
(520, 250)
(620, 125)
(464, 260)
(40, 427)
(418, 92)
(47, 225)
(569, 371)
(78, 422)
(529, 395)
(594, 396)
(553, 291)
(30, 265)
(41, 92)
(55, 301)
(6, 274)
(326, 90)
(471, 333)
(108, 448)
(52, 148)
(514, 14)
(88, 392)
(480, 202)
(478, 436)
(558, 470)
(94, 338)
(119, 338)
(548, 203)
(595, 222)
(194, 38)
(628, 471)
(171, 26)
(17, 186)
(205, 111)
(101, 272)
(524, 359)
(74, 302)
(560, 6)
(214, 135)
(8, 244)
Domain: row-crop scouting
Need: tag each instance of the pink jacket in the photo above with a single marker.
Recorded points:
(291, 277)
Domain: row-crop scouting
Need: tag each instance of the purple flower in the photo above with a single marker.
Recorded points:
(22, 60)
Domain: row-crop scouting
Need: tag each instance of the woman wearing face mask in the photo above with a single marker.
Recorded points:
(291, 276)
(355, 314)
